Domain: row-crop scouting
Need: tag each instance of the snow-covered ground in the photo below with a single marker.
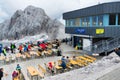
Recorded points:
(91, 72)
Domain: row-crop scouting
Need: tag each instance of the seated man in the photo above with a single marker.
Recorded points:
(63, 65)
(117, 51)
(74, 58)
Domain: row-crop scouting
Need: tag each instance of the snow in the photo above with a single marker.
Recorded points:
(85, 73)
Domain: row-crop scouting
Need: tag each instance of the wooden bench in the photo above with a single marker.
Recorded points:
(7, 60)
(16, 78)
(49, 52)
(90, 57)
(2, 58)
(81, 62)
(34, 53)
(24, 57)
(42, 69)
(38, 52)
(75, 63)
(34, 73)
(27, 55)
(18, 55)
(88, 60)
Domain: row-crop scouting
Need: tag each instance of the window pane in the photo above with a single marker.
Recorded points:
(112, 19)
(94, 19)
(87, 21)
(100, 20)
(118, 19)
(77, 22)
(83, 22)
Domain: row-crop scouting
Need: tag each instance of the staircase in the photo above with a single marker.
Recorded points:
(104, 46)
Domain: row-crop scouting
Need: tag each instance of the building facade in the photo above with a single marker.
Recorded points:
(92, 24)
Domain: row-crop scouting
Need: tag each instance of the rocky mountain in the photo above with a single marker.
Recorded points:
(31, 21)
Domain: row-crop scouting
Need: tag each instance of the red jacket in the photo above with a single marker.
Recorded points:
(20, 47)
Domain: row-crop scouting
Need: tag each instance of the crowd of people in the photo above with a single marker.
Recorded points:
(16, 73)
(64, 62)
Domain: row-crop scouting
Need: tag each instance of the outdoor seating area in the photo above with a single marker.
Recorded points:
(33, 52)
(55, 67)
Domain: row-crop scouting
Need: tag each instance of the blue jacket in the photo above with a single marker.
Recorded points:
(25, 48)
(0, 48)
(63, 65)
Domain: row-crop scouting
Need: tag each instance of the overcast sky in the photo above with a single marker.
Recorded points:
(54, 8)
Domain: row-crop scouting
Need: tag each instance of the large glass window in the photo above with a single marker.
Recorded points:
(77, 22)
(67, 22)
(87, 21)
(94, 20)
(70, 23)
(100, 20)
(83, 21)
(112, 19)
(118, 19)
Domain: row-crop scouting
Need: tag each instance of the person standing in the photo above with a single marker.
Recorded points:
(0, 49)
(18, 68)
(2, 73)
(11, 47)
(4, 52)
(20, 49)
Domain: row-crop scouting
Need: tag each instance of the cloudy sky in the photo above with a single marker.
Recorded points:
(54, 8)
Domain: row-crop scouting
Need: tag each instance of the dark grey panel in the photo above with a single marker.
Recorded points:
(105, 8)
(111, 31)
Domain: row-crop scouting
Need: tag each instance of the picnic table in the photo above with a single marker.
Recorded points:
(32, 72)
(18, 55)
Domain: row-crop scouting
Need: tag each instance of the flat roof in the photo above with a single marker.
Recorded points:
(104, 8)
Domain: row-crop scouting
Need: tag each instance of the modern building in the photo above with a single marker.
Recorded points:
(93, 24)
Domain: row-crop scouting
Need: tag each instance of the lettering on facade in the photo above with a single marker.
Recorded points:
(80, 31)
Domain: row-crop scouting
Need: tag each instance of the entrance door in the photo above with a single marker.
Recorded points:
(78, 42)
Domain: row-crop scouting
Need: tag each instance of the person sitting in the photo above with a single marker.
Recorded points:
(117, 51)
(67, 60)
(74, 57)
(63, 59)
(51, 67)
(18, 68)
(14, 74)
(63, 65)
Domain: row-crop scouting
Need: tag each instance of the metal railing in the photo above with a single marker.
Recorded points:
(104, 45)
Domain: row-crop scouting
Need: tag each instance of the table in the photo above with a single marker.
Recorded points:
(33, 72)
(2, 58)
(18, 55)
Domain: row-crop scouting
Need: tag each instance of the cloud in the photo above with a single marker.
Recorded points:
(3, 15)
(54, 8)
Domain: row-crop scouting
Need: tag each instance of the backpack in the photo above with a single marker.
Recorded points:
(14, 74)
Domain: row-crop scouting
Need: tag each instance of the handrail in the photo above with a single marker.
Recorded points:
(104, 45)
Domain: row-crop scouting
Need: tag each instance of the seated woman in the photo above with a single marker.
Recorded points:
(14, 74)
(51, 67)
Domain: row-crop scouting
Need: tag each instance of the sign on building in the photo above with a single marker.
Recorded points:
(100, 31)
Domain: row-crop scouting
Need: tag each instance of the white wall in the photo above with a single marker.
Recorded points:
(86, 43)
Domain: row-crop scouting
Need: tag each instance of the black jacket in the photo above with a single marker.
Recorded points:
(1, 74)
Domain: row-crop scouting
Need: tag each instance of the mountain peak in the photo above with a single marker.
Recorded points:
(31, 21)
